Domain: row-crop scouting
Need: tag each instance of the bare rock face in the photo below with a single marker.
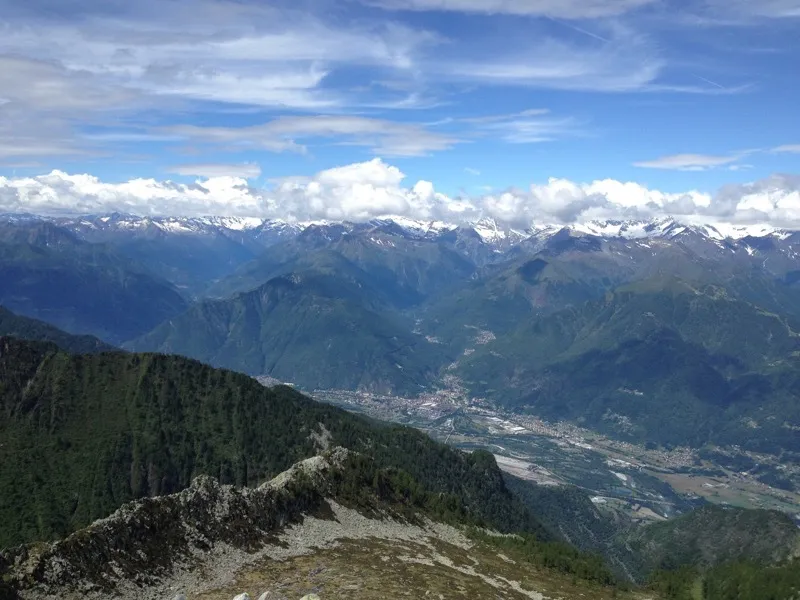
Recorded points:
(142, 541)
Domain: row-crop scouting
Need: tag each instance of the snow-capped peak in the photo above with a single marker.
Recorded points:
(737, 232)
(422, 228)
(671, 229)
(490, 231)
(236, 223)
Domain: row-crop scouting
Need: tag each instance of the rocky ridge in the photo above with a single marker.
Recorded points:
(178, 545)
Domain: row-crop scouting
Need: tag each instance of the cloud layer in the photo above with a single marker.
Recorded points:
(565, 9)
(92, 80)
(366, 190)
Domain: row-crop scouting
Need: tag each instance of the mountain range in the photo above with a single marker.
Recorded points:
(658, 332)
(49, 273)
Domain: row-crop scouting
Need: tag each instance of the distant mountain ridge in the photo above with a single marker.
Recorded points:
(194, 253)
(49, 273)
(516, 317)
(319, 328)
(490, 230)
(13, 325)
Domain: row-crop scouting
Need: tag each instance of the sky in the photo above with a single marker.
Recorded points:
(519, 110)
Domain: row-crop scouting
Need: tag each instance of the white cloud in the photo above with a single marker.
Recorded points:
(471, 171)
(689, 162)
(389, 138)
(774, 9)
(211, 170)
(63, 79)
(789, 149)
(525, 127)
(93, 79)
(255, 54)
(625, 61)
(62, 193)
(40, 100)
(565, 9)
(375, 188)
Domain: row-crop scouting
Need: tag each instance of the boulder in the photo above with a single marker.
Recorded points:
(269, 595)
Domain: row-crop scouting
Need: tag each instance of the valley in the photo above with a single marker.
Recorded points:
(646, 484)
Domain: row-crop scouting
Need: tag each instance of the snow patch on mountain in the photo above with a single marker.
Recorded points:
(238, 223)
(736, 232)
(489, 231)
(629, 229)
(422, 227)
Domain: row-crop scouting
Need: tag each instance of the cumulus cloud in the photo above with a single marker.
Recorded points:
(62, 193)
(366, 190)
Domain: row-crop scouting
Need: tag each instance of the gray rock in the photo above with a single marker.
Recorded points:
(310, 597)
(270, 595)
(244, 596)
(179, 597)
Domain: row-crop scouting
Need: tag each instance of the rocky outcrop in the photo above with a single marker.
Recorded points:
(143, 541)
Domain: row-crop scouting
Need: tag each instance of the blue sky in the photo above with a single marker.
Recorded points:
(475, 96)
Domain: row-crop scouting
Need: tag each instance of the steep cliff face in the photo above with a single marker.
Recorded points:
(144, 541)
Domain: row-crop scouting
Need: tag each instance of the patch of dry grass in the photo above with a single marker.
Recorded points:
(374, 569)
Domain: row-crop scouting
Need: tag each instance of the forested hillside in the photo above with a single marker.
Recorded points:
(48, 273)
(325, 326)
(31, 329)
(84, 434)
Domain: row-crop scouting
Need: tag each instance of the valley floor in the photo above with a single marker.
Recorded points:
(647, 484)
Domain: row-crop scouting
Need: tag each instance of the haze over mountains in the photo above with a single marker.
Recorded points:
(615, 325)
(655, 333)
